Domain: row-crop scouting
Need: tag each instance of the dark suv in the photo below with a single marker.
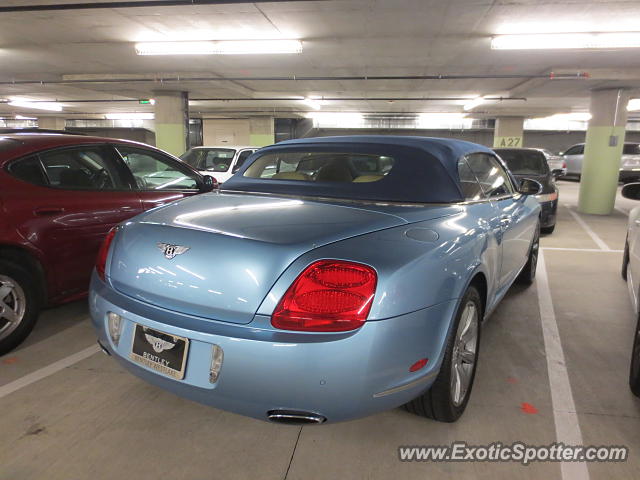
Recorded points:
(60, 195)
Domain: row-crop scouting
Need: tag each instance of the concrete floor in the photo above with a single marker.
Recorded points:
(93, 420)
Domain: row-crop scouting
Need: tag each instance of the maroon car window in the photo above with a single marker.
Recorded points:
(153, 171)
(29, 170)
(82, 168)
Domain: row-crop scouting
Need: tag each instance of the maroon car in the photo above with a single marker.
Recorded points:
(59, 196)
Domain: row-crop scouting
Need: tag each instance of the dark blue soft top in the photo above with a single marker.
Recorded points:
(425, 169)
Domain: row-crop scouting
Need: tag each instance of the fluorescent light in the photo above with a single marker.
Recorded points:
(633, 105)
(549, 41)
(559, 121)
(443, 120)
(474, 103)
(310, 102)
(220, 47)
(336, 119)
(51, 106)
(22, 117)
(130, 116)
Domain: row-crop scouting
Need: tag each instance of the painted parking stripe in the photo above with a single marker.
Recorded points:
(48, 370)
(594, 236)
(596, 250)
(564, 409)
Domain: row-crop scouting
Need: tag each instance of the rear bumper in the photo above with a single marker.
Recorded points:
(548, 213)
(339, 376)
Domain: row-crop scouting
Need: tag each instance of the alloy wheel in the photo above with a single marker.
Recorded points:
(463, 358)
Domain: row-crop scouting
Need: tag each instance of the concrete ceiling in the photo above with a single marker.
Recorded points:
(88, 54)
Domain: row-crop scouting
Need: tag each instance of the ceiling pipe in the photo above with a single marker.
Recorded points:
(295, 78)
(291, 99)
(129, 4)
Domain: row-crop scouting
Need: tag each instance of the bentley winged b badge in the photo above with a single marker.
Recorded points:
(171, 251)
(159, 345)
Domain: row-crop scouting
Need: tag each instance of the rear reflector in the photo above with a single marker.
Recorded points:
(101, 261)
(328, 296)
(418, 365)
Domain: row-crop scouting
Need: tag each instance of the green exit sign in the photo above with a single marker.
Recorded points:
(147, 101)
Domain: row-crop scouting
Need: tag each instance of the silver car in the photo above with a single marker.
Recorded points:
(629, 162)
(556, 163)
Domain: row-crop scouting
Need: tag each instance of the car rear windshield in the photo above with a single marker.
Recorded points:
(321, 167)
(524, 162)
(211, 159)
(631, 149)
(351, 171)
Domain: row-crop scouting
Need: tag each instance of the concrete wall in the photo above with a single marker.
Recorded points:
(217, 132)
(554, 141)
(136, 134)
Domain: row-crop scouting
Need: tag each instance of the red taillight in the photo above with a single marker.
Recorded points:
(101, 261)
(564, 164)
(328, 296)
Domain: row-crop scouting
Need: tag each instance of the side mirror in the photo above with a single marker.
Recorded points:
(208, 184)
(557, 172)
(632, 191)
(529, 187)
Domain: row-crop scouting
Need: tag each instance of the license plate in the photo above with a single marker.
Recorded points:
(163, 352)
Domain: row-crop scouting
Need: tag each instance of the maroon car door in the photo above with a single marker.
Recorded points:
(86, 192)
(159, 178)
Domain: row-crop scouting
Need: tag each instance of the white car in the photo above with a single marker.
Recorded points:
(631, 273)
(219, 162)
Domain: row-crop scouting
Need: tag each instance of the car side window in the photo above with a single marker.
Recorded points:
(241, 159)
(575, 150)
(82, 168)
(493, 179)
(153, 171)
(29, 170)
(468, 181)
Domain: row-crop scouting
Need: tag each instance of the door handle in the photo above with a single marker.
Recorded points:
(505, 221)
(44, 211)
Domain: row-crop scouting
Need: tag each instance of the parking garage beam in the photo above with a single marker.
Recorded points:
(52, 123)
(172, 121)
(261, 131)
(508, 132)
(603, 151)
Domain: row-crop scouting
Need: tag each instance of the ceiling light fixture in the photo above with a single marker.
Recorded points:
(220, 47)
(554, 41)
(22, 117)
(474, 103)
(130, 116)
(313, 103)
(50, 106)
(633, 105)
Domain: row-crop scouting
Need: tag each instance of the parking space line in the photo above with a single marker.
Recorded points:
(596, 250)
(47, 371)
(594, 236)
(564, 409)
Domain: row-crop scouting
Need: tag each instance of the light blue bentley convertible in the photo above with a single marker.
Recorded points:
(329, 279)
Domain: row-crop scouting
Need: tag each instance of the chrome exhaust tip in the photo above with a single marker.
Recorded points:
(293, 417)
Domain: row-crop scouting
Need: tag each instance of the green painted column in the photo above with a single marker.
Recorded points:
(603, 151)
(261, 131)
(172, 121)
(508, 132)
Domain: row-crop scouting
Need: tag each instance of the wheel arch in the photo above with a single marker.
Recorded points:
(31, 263)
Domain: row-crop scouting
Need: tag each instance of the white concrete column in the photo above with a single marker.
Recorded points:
(52, 123)
(508, 132)
(172, 121)
(261, 131)
(603, 151)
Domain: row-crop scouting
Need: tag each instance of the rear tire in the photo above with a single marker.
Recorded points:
(625, 259)
(548, 230)
(634, 369)
(447, 398)
(528, 273)
(19, 306)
